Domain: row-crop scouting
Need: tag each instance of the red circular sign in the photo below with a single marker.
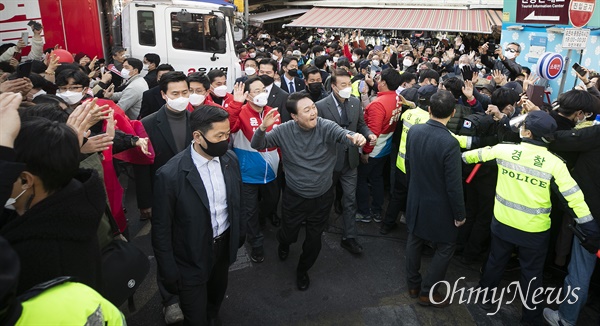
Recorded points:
(581, 11)
(554, 67)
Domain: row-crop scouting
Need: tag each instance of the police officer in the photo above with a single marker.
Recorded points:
(522, 207)
(413, 116)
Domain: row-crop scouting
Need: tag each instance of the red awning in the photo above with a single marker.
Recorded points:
(450, 20)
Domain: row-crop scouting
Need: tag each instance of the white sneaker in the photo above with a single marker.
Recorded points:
(553, 318)
(403, 219)
(173, 314)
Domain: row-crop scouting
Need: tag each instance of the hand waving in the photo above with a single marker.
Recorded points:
(269, 119)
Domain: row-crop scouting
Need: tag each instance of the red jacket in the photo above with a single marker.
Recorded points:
(381, 116)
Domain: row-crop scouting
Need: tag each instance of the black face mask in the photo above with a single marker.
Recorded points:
(215, 149)
(293, 72)
(315, 88)
(267, 80)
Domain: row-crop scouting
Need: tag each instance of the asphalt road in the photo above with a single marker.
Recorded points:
(345, 290)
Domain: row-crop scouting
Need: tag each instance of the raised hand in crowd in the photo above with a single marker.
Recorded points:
(238, 93)
(499, 77)
(98, 143)
(79, 119)
(19, 85)
(142, 143)
(10, 123)
(98, 113)
(530, 80)
(468, 90)
(495, 112)
(111, 123)
(269, 120)
(483, 49)
(528, 106)
(108, 93)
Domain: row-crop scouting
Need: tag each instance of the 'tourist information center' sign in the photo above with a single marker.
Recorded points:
(543, 12)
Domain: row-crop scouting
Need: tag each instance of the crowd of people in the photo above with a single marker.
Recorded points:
(316, 122)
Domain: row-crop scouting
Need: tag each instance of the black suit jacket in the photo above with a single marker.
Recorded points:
(150, 78)
(434, 174)
(160, 134)
(182, 235)
(327, 108)
(298, 84)
(277, 99)
(151, 101)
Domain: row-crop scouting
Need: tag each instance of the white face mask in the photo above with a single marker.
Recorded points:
(220, 91)
(479, 66)
(354, 58)
(345, 93)
(125, 73)
(70, 97)
(11, 201)
(249, 71)
(578, 121)
(375, 63)
(521, 133)
(335, 59)
(252, 55)
(277, 83)
(261, 99)
(40, 92)
(274, 57)
(197, 99)
(407, 62)
(510, 55)
(144, 71)
(179, 104)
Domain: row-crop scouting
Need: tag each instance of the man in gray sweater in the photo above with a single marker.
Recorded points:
(308, 149)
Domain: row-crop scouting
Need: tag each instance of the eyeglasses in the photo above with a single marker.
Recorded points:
(511, 50)
(70, 88)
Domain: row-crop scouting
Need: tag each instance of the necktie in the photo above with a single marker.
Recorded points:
(292, 90)
(344, 116)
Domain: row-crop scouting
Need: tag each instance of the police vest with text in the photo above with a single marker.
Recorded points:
(525, 172)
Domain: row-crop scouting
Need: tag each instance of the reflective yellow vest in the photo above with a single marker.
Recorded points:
(70, 304)
(523, 188)
(418, 116)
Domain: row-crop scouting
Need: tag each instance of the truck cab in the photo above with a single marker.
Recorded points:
(189, 35)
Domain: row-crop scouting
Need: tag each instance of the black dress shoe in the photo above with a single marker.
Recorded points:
(385, 228)
(352, 246)
(257, 255)
(302, 281)
(275, 220)
(283, 251)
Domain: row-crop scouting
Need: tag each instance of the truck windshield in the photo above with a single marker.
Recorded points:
(198, 32)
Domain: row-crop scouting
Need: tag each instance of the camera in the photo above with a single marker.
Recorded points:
(492, 47)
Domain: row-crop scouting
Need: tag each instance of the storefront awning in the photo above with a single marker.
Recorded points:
(495, 17)
(450, 20)
(276, 14)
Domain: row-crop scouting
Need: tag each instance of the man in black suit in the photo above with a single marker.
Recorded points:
(345, 110)
(169, 133)
(151, 63)
(314, 85)
(435, 205)
(197, 228)
(290, 82)
(267, 68)
(152, 100)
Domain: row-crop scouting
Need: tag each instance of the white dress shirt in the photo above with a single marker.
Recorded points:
(214, 183)
(287, 82)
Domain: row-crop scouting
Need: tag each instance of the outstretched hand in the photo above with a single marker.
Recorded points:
(269, 119)
(357, 139)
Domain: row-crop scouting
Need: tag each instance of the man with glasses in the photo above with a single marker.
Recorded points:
(506, 61)
(260, 190)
